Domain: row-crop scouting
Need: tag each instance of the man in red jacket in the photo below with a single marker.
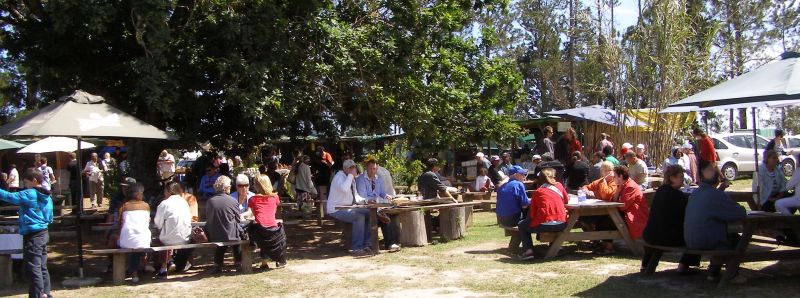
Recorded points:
(706, 145)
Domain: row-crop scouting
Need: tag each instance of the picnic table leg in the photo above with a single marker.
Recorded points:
(6, 274)
(320, 213)
(623, 230)
(555, 246)
(247, 258)
(373, 227)
(118, 268)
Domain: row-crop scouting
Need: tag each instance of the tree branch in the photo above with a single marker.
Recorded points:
(36, 8)
(182, 13)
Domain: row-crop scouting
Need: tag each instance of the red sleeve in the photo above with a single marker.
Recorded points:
(629, 195)
(707, 151)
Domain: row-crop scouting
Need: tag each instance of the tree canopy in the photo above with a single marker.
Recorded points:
(244, 71)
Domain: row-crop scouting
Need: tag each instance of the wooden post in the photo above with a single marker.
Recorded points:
(118, 268)
(247, 257)
(411, 228)
(468, 215)
(6, 274)
(452, 223)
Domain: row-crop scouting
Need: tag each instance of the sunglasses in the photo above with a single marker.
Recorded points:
(243, 185)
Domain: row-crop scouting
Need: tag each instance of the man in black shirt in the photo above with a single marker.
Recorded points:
(495, 173)
(577, 171)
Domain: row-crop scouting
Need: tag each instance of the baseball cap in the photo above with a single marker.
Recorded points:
(479, 154)
(640, 146)
(128, 181)
(536, 156)
(348, 164)
(627, 145)
(517, 170)
(495, 157)
(687, 145)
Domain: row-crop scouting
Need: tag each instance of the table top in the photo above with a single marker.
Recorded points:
(597, 205)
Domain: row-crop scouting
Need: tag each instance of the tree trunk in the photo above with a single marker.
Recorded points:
(452, 223)
(142, 158)
(411, 228)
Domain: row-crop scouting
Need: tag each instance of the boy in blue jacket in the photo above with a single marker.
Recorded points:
(35, 214)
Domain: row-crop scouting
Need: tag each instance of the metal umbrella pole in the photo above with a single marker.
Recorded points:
(755, 156)
(80, 211)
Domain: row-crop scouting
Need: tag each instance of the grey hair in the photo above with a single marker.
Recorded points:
(221, 183)
(134, 189)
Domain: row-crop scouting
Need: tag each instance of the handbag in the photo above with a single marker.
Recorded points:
(198, 235)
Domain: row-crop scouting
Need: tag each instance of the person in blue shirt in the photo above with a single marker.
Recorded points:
(35, 215)
(370, 186)
(512, 198)
(242, 194)
(206, 186)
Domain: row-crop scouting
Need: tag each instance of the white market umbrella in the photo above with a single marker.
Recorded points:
(81, 114)
(775, 84)
(55, 144)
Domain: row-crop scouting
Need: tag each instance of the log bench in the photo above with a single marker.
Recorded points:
(6, 270)
(657, 251)
(119, 255)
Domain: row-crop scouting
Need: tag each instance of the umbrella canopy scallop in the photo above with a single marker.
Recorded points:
(55, 144)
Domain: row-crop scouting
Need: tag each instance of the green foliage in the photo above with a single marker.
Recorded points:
(404, 172)
(236, 72)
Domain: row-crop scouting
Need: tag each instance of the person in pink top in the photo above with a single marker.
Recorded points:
(265, 230)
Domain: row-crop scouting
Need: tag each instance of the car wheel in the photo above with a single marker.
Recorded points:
(730, 172)
(788, 167)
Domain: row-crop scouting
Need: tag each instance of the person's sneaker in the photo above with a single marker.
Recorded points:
(358, 253)
(526, 256)
(135, 279)
(162, 275)
(171, 267)
(279, 265)
(187, 267)
(394, 248)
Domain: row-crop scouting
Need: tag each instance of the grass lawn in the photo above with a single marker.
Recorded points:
(477, 265)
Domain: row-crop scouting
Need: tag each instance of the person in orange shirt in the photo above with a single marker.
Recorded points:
(634, 212)
(605, 187)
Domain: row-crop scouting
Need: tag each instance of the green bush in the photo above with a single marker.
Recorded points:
(403, 171)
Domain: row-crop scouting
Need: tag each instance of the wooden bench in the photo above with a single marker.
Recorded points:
(120, 254)
(656, 251)
(6, 270)
(515, 240)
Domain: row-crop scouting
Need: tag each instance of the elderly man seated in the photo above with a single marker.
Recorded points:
(343, 193)
(370, 186)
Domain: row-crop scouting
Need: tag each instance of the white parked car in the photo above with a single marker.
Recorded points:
(735, 151)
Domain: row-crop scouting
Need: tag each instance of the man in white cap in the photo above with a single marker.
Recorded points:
(641, 155)
(343, 193)
(242, 193)
(482, 161)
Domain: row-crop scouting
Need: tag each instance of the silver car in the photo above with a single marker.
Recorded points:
(735, 151)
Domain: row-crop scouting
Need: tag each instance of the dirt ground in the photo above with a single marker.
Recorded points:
(476, 266)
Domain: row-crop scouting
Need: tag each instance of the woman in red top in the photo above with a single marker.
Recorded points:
(707, 151)
(635, 211)
(267, 233)
(547, 212)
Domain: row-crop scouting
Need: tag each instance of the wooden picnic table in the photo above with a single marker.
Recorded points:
(739, 196)
(576, 211)
(391, 209)
(751, 224)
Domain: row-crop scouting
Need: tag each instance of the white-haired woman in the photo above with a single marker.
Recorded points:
(222, 221)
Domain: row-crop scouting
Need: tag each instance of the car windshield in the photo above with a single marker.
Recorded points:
(746, 141)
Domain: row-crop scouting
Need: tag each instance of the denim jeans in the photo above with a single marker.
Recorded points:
(134, 259)
(388, 230)
(525, 230)
(509, 221)
(35, 257)
(359, 218)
